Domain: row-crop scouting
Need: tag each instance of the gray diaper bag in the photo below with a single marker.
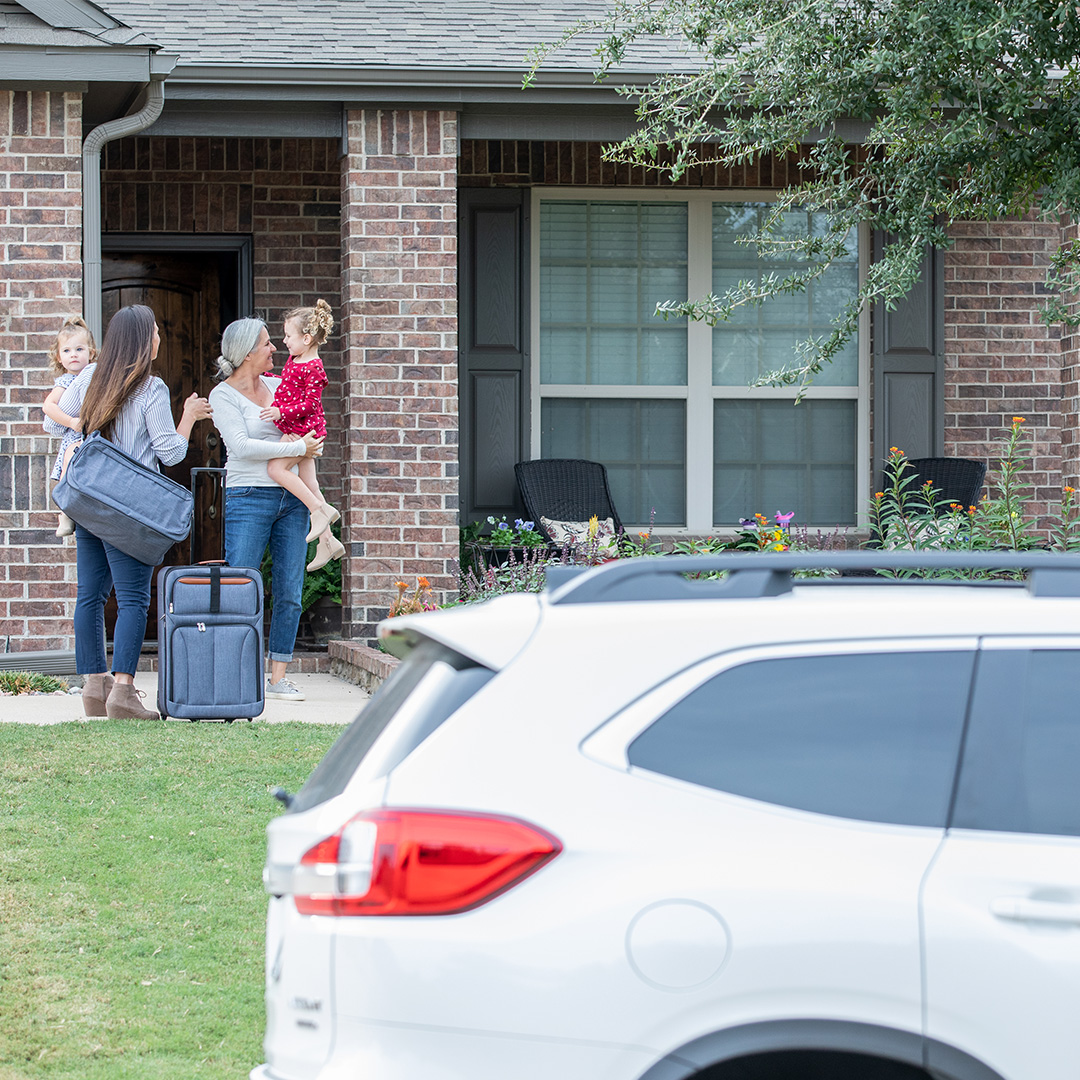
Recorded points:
(124, 503)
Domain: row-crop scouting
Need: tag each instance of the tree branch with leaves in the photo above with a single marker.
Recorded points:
(970, 108)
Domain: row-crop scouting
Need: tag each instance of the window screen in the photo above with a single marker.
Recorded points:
(870, 736)
(1022, 755)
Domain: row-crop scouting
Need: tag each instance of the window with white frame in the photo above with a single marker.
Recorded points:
(665, 405)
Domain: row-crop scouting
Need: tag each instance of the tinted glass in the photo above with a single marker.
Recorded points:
(874, 736)
(333, 773)
(1022, 755)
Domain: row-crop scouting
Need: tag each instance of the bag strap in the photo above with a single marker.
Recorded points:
(215, 590)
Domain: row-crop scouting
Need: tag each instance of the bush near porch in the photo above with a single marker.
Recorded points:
(903, 516)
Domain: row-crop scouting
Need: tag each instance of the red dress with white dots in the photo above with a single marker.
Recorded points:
(299, 397)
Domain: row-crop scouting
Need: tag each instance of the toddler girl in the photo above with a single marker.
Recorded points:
(297, 410)
(72, 350)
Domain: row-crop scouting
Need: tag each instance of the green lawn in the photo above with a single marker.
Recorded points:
(132, 914)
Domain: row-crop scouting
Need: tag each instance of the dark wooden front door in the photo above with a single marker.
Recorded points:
(184, 291)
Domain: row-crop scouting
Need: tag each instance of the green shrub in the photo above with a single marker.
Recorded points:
(29, 682)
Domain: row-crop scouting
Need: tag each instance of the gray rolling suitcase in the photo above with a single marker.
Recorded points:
(210, 642)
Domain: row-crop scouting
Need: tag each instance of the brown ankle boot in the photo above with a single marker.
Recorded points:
(96, 690)
(123, 704)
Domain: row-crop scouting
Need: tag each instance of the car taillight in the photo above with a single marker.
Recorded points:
(417, 862)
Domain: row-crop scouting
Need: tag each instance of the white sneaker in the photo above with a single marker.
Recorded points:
(284, 690)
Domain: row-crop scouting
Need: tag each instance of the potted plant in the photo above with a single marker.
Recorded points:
(320, 597)
(494, 548)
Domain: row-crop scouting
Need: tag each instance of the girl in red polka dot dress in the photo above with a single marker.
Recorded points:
(297, 410)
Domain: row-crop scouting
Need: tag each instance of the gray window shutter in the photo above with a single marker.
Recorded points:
(493, 347)
(909, 368)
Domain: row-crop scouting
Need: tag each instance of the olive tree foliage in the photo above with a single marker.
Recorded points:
(971, 107)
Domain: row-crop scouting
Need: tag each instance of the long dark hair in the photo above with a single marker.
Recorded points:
(123, 365)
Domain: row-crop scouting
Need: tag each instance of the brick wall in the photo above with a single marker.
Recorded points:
(40, 282)
(399, 249)
(285, 193)
(1070, 393)
(1001, 359)
(517, 162)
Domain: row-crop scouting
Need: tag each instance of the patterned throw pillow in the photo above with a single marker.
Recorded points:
(577, 533)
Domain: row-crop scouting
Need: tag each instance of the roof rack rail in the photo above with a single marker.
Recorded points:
(769, 574)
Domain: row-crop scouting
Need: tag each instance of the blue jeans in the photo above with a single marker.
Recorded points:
(255, 517)
(101, 569)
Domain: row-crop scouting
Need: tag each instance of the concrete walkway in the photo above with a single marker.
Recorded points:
(328, 700)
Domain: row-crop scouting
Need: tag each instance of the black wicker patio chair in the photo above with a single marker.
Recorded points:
(959, 480)
(565, 489)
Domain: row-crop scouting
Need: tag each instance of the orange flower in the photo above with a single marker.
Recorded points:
(1068, 490)
(879, 494)
(423, 583)
(400, 585)
(1018, 420)
(895, 450)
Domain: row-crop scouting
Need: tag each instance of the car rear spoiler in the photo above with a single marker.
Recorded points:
(489, 634)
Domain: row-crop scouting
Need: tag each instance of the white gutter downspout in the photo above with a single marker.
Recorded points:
(91, 184)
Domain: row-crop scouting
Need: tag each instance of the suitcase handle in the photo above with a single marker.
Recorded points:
(218, 475)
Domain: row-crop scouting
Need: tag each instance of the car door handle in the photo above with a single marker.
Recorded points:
(1023, 909)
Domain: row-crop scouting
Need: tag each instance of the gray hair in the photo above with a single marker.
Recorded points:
(237, 341)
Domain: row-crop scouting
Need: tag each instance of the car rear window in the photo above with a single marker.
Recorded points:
(457, 677)
(869, 736)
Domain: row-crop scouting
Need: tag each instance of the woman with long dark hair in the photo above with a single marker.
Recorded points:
(122, 398)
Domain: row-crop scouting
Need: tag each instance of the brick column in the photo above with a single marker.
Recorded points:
(40, 282)
(399, 299)
(1070, 391)
(1001, 360)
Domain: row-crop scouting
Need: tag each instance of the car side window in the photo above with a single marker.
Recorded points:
(1022, 753)
(872, 736)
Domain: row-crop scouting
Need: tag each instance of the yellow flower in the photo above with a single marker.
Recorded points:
(1018, 420)
(594, 526)
(879, 494)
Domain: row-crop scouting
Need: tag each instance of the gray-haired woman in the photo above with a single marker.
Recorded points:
(257, 511)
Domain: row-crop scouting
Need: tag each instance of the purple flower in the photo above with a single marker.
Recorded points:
(747, 523)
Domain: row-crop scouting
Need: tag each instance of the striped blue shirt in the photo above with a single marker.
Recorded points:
(144, 429)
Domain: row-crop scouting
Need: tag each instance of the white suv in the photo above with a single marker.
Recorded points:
(649, 826)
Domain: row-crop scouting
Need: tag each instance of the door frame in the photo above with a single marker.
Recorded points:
(187, 243)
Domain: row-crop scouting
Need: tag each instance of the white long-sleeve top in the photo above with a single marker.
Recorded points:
(144, 428)
(251, 441)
